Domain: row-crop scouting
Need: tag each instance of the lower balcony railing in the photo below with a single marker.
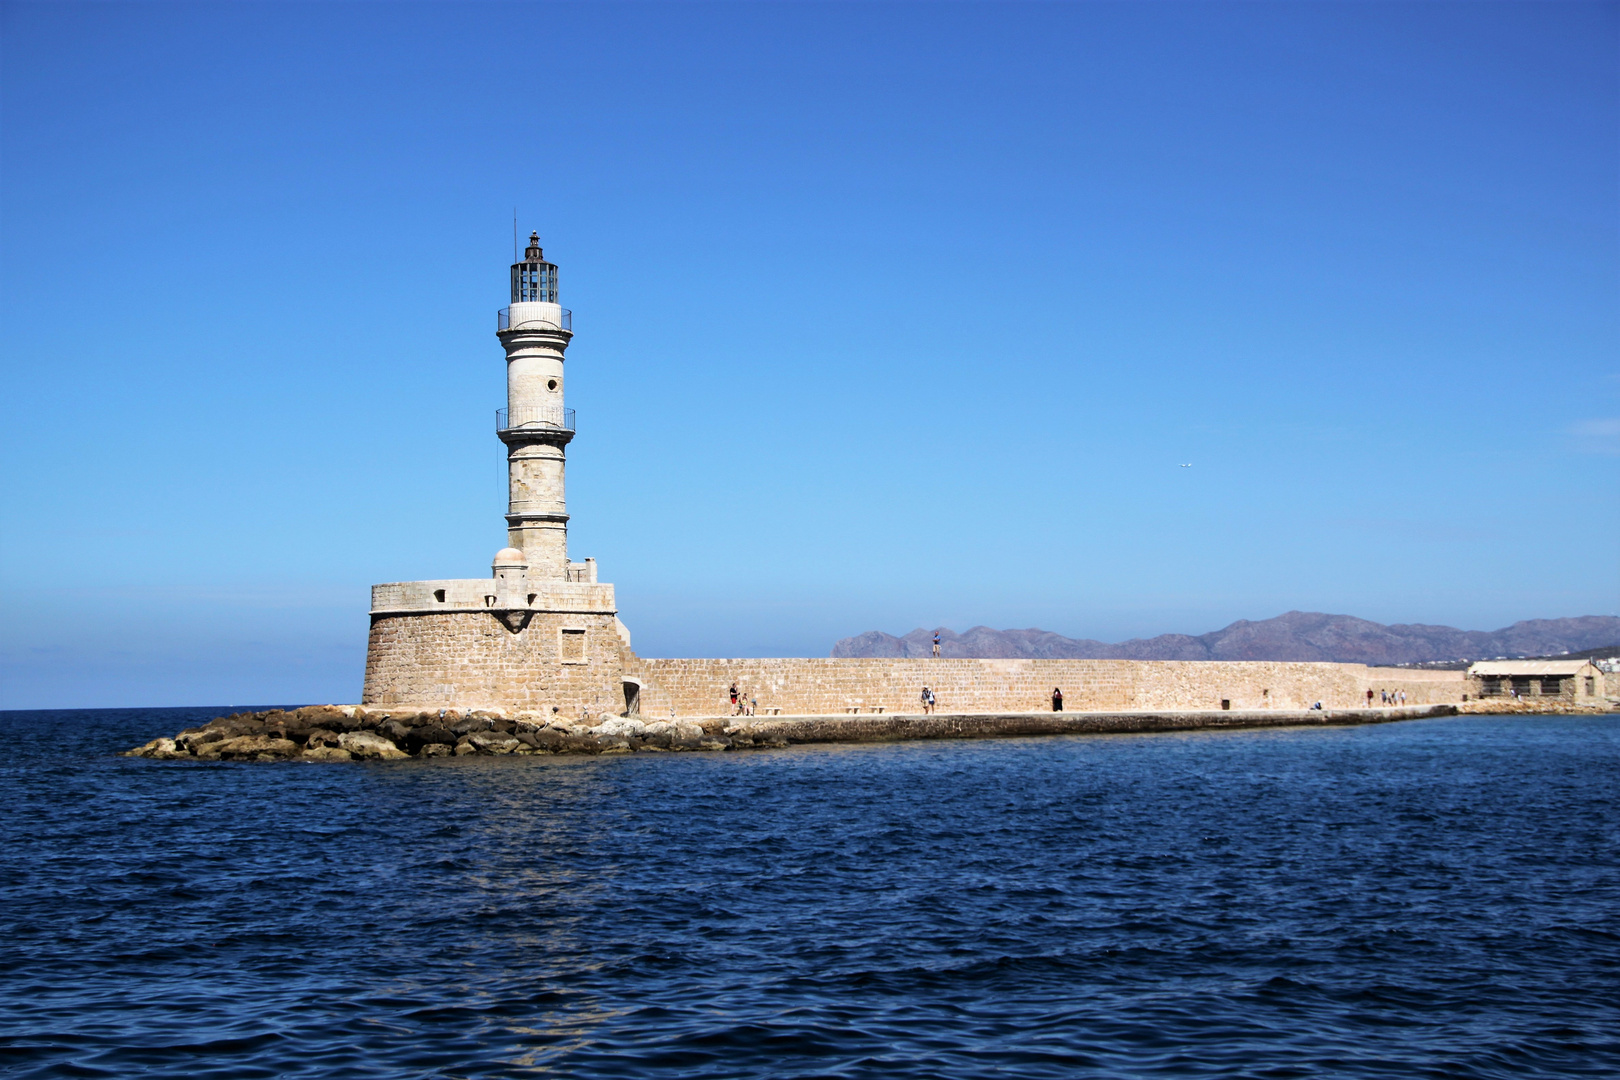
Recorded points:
(534, 416)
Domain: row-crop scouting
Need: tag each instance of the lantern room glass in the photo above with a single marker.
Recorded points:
(534, 281)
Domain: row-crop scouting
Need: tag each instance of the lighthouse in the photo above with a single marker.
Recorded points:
(540, 635)
(536, 426)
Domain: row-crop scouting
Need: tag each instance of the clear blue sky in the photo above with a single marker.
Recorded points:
(887, 317)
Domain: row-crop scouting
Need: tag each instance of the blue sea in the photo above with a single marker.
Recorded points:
(1438, 898)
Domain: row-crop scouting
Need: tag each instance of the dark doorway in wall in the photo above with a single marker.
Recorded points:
(632, 698)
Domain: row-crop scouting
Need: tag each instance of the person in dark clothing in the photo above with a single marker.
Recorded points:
(733, 697)
(1057, 699)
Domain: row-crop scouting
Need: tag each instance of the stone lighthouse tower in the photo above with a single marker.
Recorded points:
(535, 425)
(539, 635)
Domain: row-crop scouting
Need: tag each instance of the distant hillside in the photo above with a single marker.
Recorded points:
(1298, 635)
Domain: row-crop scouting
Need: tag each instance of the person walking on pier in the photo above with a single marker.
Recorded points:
(733, 697)
(1057, 699)
(927, 700)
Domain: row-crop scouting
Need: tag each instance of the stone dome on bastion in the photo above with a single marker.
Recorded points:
(509, 557)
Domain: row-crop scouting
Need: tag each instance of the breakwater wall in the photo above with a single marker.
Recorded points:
(330, 733)
(894, 685)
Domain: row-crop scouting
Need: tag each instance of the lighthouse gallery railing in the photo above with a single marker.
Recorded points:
(503, 321)
(534, 416)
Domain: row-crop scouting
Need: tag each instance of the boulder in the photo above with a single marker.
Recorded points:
(612, 744)
(493, 742)
(437, 750)
(363, 744)
(621, 726)
(163, 749)
(254, 747)
(466, 725)
(465, 748)
(419, 738)
(234, 726)
(318, 716)
(326, 753)
(193, 741)
(394, 731)
(546, 740)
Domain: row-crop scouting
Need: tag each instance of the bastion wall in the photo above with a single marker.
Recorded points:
(474, 659)
(830, 686)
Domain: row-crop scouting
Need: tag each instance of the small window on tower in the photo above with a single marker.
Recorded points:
(573, 646)
(552, 385)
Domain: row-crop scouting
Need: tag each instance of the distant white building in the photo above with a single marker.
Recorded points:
(1567, 680)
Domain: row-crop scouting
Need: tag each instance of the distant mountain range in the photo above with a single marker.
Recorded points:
(1298, 635)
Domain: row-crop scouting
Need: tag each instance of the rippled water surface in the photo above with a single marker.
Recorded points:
(1435, 898)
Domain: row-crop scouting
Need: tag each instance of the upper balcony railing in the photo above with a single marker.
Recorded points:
(503, 321)
(534, 416)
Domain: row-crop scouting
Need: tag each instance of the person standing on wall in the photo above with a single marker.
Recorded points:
(1057, 699)
(936, 644)
(734, 697)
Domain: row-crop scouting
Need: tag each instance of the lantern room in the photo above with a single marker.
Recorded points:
(534, 279)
